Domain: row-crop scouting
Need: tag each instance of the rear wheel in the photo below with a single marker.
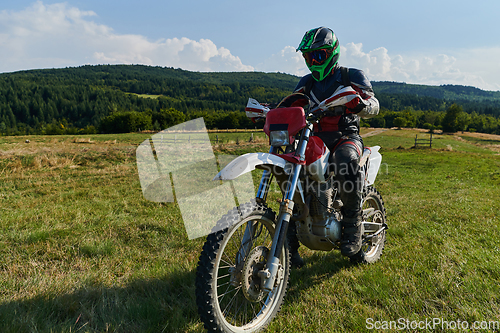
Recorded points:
(374, 229)
(228, 288)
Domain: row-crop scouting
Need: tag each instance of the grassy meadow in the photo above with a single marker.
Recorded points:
(82, 251)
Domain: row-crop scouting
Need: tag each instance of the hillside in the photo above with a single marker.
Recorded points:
(83, 96)
(449, 92)
(53, 100)
(397, 96)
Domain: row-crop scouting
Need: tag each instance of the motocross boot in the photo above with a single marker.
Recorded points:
(351, 236)
(293, 246)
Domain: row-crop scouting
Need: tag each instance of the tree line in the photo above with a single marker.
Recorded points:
(124, 98)
(80, 100)
(453, 119)
(133, 121)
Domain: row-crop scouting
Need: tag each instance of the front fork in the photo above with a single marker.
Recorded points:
(286, 210)
(270, 273)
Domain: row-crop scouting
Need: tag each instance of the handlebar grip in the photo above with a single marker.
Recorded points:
(315, 113)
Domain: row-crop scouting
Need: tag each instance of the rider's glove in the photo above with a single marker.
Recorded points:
(316, 114)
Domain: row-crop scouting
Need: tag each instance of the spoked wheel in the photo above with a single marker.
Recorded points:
(228, 286)
(374, 228)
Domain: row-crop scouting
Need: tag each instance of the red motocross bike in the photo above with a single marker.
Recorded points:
(243, 270)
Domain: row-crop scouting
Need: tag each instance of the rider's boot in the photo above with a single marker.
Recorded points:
(351, 236)
(293, 246)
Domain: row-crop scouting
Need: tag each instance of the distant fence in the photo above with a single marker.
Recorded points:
(229, 130)
(182, 138)
(423, 142)
(237, 139)
(200, 139)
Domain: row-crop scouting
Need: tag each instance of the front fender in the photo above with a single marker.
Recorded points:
(248, 162)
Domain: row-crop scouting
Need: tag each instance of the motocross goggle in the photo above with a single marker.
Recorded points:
(317, 57)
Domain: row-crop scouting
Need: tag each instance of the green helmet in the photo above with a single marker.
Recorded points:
(321, 51)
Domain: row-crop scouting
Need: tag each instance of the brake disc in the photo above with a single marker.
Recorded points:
(250, 280)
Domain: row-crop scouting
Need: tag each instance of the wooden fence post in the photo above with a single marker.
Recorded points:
(423, 142)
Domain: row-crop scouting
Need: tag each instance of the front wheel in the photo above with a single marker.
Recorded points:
(228, 287)
(374, 228)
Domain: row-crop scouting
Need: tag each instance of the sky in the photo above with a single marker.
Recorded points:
(430, 42)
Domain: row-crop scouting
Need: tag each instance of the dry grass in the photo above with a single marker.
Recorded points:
(80, 249)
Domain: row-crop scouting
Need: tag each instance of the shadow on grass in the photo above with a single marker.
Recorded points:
(156, 305)
(146, 305)
(319, 266)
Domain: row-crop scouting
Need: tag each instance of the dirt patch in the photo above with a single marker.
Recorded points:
(482, 136)
(374, 131)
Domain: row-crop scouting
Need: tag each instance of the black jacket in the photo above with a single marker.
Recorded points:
(317, 91)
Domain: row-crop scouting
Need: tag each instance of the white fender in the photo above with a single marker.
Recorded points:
(246, 163)
(374, 164)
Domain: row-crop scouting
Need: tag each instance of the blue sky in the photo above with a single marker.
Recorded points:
(425, 42)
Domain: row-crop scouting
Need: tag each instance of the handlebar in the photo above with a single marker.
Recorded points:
(314, 114)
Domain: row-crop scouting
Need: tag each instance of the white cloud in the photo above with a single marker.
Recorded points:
(286, 61)
(472, 68)
(433, 69)
(57, 35)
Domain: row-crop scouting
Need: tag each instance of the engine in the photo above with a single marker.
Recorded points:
(321, 202)
(321, 228)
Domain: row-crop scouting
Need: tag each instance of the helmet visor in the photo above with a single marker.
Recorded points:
(317, 57)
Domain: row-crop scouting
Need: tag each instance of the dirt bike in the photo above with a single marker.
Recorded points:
(243, 270)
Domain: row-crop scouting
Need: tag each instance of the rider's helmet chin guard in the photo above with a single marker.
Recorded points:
(321, 51)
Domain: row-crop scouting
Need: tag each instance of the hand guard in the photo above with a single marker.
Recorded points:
(255, 111)
(347, 97)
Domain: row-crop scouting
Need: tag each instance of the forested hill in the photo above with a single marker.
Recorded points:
(398, 96)
(82, 98)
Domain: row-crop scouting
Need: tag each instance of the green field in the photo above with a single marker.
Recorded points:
(82, 251)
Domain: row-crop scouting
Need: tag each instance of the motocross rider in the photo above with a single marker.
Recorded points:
(338, 128)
